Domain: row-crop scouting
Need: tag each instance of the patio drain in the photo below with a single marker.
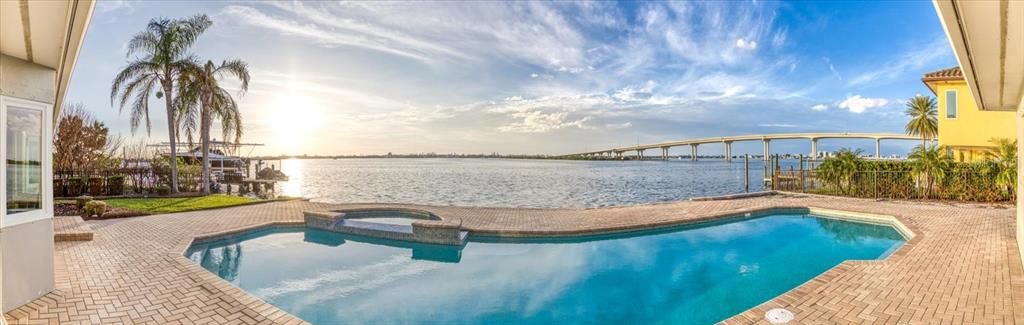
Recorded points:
(778, 316)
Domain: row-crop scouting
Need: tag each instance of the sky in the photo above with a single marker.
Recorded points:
(541, 77)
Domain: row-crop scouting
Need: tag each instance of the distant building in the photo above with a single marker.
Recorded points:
(963, 128)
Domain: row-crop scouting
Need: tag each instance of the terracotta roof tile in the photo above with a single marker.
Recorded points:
(953, 73)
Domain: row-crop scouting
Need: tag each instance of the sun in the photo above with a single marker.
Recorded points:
(294, 119)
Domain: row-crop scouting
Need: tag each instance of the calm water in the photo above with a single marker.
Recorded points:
(515, 183)
(684, 276)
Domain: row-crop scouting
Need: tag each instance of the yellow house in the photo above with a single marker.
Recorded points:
(963, 128)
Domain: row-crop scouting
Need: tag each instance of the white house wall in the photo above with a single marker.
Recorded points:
(27, 258)
(21, 79)
(26, 249)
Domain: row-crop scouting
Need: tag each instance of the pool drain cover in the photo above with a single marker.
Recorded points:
(778, 316)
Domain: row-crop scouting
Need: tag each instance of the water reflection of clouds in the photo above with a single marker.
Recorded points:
(342, 283)
(488, 285)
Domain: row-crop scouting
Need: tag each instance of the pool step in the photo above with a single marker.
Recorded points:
(429, 229)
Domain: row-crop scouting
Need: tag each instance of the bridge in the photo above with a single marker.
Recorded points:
(766, 140)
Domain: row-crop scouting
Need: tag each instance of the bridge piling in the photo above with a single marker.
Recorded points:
(728, 151)
(814, 149)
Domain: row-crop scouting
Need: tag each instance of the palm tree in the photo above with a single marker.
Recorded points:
(1002, 159)
(202, 98)
(164, 55)
(841, 168)
(923, 118)
(930, 163)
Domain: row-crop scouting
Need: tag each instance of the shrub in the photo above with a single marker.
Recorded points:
(163, 190)
(59, 187)
(839, 170)
(95, 185)
(74, 186)
(931, 175)
(115, 185)
(94, 208)
(82, 200)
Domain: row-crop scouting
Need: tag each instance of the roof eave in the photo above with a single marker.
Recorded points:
(949, 16)
(78, 19)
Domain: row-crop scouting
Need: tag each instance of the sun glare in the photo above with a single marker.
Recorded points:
(294, 119)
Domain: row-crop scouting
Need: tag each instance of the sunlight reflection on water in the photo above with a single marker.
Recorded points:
(293, 168)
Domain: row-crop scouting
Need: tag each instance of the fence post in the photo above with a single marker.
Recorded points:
(874, 183)
(803, 178)
(746, 173)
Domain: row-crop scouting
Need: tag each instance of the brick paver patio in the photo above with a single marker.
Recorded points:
(962, 267)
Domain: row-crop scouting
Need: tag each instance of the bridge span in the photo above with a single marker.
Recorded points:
(766, 140)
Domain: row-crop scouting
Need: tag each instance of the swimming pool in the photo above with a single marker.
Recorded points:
(697, 274)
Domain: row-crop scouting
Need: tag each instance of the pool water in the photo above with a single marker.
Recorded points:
(689, 275)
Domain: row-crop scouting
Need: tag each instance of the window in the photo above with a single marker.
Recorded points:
(26, 161)
(951, 104)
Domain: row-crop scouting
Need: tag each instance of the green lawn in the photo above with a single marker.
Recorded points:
(178, 204)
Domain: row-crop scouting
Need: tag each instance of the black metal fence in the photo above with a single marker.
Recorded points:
(968, 186)
(122, 181)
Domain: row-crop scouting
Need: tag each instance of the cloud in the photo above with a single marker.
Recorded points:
(907, 61)
(714, 33)
(778, 125)
(115, 5)
(438, 34)
(636, 93)
(832, 68)
(858, 104)
(318, 35)
(819, 107)
(779, 39)
(745, 44)
(618, 125)
(537, 122)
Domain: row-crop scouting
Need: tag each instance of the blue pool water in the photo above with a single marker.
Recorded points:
(694, 275)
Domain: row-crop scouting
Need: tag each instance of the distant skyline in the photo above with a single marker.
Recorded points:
(542, 77)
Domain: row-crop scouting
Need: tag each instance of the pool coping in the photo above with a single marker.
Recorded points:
(211, 282)
(905, 227)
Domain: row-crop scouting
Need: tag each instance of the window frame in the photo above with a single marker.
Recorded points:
(956, 105)
(46, 179)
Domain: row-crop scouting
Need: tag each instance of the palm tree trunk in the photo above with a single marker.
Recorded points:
(171, 133)
(204, 129)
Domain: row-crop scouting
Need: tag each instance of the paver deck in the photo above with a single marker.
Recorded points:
(962, 267)
(71, 228)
